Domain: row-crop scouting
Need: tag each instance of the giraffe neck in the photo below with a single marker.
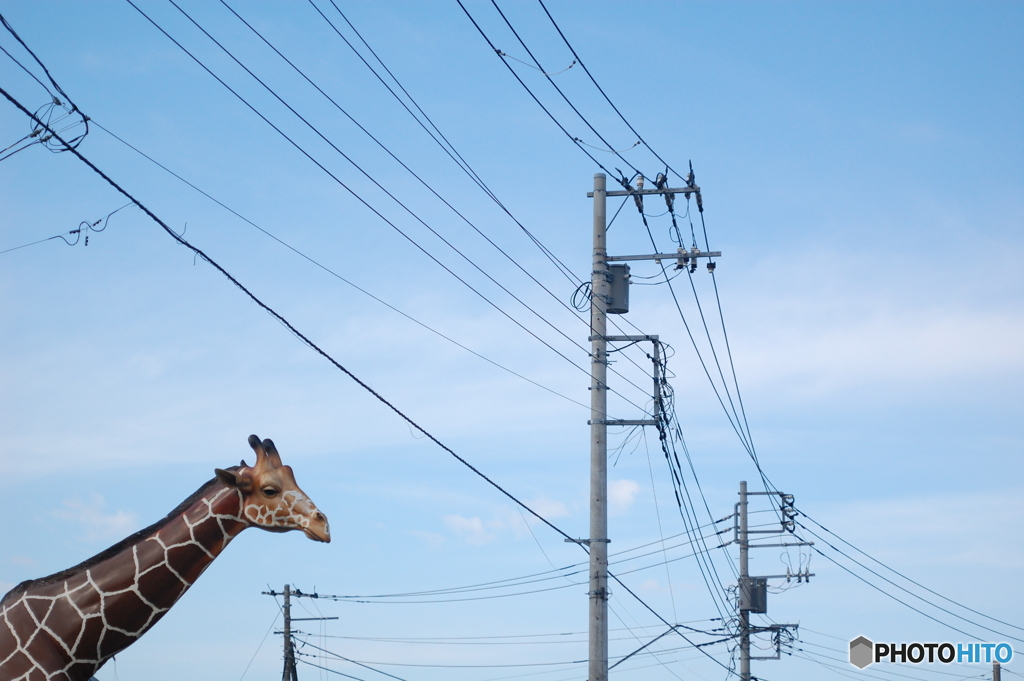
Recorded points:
(67, 625)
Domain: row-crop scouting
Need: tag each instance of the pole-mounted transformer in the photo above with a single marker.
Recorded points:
(618, 295)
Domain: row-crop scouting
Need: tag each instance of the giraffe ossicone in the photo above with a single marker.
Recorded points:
(65, 626)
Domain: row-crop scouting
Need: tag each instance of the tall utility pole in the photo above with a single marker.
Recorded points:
(600, 286)
(601, 305)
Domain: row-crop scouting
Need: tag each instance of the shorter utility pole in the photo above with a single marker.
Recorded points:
(290, 671)
(997, 673)
(753, 591)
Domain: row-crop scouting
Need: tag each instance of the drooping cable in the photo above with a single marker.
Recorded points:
(390, 223)
(361, 199)
(559, 90)
(446, 145)
(402, 163)
(918, 584)
(284, 322)
(333, 273)
(74, 107)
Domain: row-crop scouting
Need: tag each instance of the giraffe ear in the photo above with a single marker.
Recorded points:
(233, 479)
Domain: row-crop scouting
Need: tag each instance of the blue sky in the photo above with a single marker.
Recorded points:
(861, 169)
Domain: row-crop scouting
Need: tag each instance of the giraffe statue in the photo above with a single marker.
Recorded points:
(65, 626)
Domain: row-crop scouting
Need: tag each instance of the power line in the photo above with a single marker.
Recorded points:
(453, 153)
(601, 90)
(447, 146)
(403, 164)
(360, 198)
(918, 584)
(199, 253)
(341, 657)
(74, 107)
(332, 671)
(744, 437)
(260, 646)
(84, 226)
(889, 581)
(284, 322)
(332, 272)
(736, 425)
(559, 90)
(450, 149)
(530, 92)
(548, 575)
(291, 328)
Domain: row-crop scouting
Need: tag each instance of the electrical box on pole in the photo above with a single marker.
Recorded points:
(618, 291)
(754, 594)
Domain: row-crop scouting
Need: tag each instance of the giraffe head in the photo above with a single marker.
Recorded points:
(271, 499)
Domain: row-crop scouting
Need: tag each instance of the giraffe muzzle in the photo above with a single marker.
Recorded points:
(319, 529)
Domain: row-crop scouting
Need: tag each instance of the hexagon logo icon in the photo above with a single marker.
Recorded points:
(861, 652)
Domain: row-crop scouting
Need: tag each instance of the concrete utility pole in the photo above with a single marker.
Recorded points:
(753, 591)
(290, 673)
(601, 300)
(600, 285)
(290, 668)
(744, 580)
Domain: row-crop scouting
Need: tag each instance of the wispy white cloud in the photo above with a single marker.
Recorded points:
(621, 495)
(472, 530)
(548, 508)
(902, 349)
(429, 538)
(97, 525)
(971, 527)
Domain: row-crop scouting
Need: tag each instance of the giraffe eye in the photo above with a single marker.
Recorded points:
(269, 492)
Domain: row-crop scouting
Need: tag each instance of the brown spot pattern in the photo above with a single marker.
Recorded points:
(67, 630)
(65, 626)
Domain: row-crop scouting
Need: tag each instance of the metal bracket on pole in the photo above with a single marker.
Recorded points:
(623, 339)
(685, 190)
(770, 546)
(682, 255)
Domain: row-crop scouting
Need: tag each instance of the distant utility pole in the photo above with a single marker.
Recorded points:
(997, 674)
(610, 295)
(753, 591)
(290, 672)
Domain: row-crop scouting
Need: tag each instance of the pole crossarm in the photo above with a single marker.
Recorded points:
(623, 339)
(682, 190)
(789, 576)
(622, 422)
(770, 546)
(304, 619)
(682, 255)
